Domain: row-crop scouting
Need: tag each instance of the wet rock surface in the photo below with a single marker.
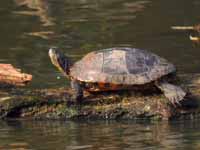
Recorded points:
(59, 104)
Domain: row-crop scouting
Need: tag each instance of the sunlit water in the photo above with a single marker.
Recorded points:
(28, 28)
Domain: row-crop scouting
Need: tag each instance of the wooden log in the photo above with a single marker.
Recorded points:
(13, 76)
(195, 39)
(58, 104)
(182, 27)
(185, 28)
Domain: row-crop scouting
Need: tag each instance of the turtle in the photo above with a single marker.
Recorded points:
(119, 68)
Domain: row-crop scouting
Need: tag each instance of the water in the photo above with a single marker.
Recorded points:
(42, 135)
(28, 28)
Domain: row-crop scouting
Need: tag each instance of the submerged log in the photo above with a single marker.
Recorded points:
(58, 104)
(13, 76)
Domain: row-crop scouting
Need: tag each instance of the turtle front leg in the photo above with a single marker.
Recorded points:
(172, 92)
(78, 89)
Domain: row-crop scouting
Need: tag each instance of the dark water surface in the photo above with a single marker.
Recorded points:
(29, 27)
(42, 135)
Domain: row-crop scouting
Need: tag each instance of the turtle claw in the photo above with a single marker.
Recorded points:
(172, 101)
(172, 92)
(176, 98)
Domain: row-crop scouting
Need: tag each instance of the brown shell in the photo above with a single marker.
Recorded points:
(121, 66)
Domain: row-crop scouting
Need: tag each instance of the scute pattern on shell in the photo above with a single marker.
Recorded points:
(121, 66)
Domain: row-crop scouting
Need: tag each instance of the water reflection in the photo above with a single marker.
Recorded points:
(29, 27)
(41, 9)
(38, 8)
(99, 135)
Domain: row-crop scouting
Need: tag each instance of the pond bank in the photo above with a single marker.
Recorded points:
(58, 104)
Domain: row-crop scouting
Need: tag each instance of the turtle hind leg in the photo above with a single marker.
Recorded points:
(173, 93)
(78, 91)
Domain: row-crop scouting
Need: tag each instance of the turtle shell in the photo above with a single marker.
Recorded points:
(121, 66)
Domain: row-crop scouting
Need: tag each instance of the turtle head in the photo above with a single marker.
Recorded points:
(59, 60)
